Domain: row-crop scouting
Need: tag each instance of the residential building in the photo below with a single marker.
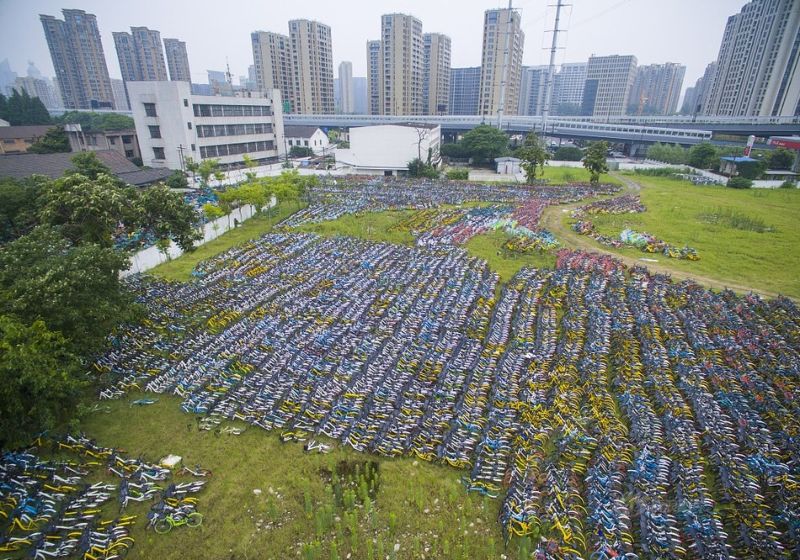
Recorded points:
(465, 84)
(568, 84)
(758, 72)
(501, 62)
(120, 96)
(375, 77)
(177, 60)
(533, 90)
(79, 60)
(306, 137)
(608, 84)
(312, 61)
(436, 74)
(7, 76)
(123, 141)
(387, 149)
(172, 124)
(38, 87)
(360, 95)
(346, 99)
(272, 58)
(17, 139)
(20, 166)
(402, 52)
(656, 89)
(695, 100)
(140, 55)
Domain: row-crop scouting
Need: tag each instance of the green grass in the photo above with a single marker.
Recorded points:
(731, 248)
(179, 270)
(374, 226)
(489, 247)
(418, 505)
(561, 174)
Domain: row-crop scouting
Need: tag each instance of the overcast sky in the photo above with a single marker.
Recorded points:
(684, 31)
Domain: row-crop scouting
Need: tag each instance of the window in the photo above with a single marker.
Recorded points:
(185, 102)
(127, 139)
(112, 140)
(193, 147)
(290, 142)
(150, 109)
(155, 131)
(305, 142)
(189, 125)
(158, 153)
(128, 153)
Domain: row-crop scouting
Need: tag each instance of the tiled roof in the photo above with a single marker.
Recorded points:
(299, 131)
(27, 132)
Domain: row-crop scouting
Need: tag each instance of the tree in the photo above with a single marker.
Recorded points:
(167, 215)
(454, 150)
(484, 143)
(54, 141)
(703, 156)
(568, 153)
(534, 155)
(780, 159)
(177, 180)
(97, 121)
(192, 167)
(595, 160)
(19, 205)
(249, 164)
(39, 380)
(74, 289)
(206, 169)
(668, 153)
(418, 168)
(751, 169)
(88, 165)
(212, 212)
(300, 151)
(22, 109)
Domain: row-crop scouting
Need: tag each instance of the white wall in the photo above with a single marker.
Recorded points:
(386, 146)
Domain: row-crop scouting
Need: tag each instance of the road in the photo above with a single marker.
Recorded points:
(552, 219)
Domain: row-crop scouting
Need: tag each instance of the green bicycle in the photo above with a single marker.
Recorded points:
(166, 524)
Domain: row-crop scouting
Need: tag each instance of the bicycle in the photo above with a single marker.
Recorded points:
(165, 524)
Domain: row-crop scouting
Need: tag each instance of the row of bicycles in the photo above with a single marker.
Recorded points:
(615, 414)
(52, 509)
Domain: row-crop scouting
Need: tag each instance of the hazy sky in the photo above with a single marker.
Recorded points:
(685, 31)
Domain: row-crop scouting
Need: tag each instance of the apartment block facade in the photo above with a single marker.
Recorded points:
(436, 74)
(465, 84)
(402, 65)
(656, 89)
(140, 54)
(346, 94)
(501, 62)
(758, 73)
(312, 67)
(374, 77)
(568, 84)
(272, 58)
(608, 84)
(78, 59)
(177, 60)
(533, 90)
(172, 124)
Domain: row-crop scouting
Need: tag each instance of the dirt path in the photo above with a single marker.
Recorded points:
(552, 220)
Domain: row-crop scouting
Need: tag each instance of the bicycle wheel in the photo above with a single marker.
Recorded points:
(163, 526)
(194, 519)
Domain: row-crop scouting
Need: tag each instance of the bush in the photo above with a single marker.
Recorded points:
(788, 185)
(458, 174)
(568, 153)
(660, 171)
(418, 168)
(455, 151)
(740, 183)
(300, 151)
(177, 180)
(668, 153)
(751, 169)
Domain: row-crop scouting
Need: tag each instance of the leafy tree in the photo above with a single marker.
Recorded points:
(39, 380)
(568, 153)
(249, 164)
(780, 159)
(668, 153)
(300, 151)
(88, 165)
(192, 167)
(22, 109)
(458, 173)
(740, 183)
(97, 121)
(54, 141)
(484, 143)
(19, 205)
(751, 169)
(534, 155)
(177, 180)
(703, 156)
(74, 289)
(167, 215)
(595, 160)
(418, 168)
(454, 150)
(87, 210)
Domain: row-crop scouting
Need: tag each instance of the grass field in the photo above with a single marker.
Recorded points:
(180, 269)
(489, 247)
(374, 226)
(745, 236)
(268, 499)
(554, 174)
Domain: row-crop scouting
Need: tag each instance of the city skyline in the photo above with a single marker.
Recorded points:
(593, 28)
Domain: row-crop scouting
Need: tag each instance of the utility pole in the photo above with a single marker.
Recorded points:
(548, 88)
(506, 55)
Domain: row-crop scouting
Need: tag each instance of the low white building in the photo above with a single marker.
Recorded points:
(306, 137)
(508, 165)
(173, 124)
(388, 148)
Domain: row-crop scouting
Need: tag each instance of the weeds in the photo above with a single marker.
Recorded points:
(734, 219)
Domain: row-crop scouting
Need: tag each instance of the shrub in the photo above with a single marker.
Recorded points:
(751, 169)
(456, 151)
(418, 168)
(568, 153)
(668, 153)
(660, 171)
(788, 185)
(460, 174)
(740, 183)
(300, 151)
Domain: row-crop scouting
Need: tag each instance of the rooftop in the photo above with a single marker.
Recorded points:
(299, 131)
(29, 131)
